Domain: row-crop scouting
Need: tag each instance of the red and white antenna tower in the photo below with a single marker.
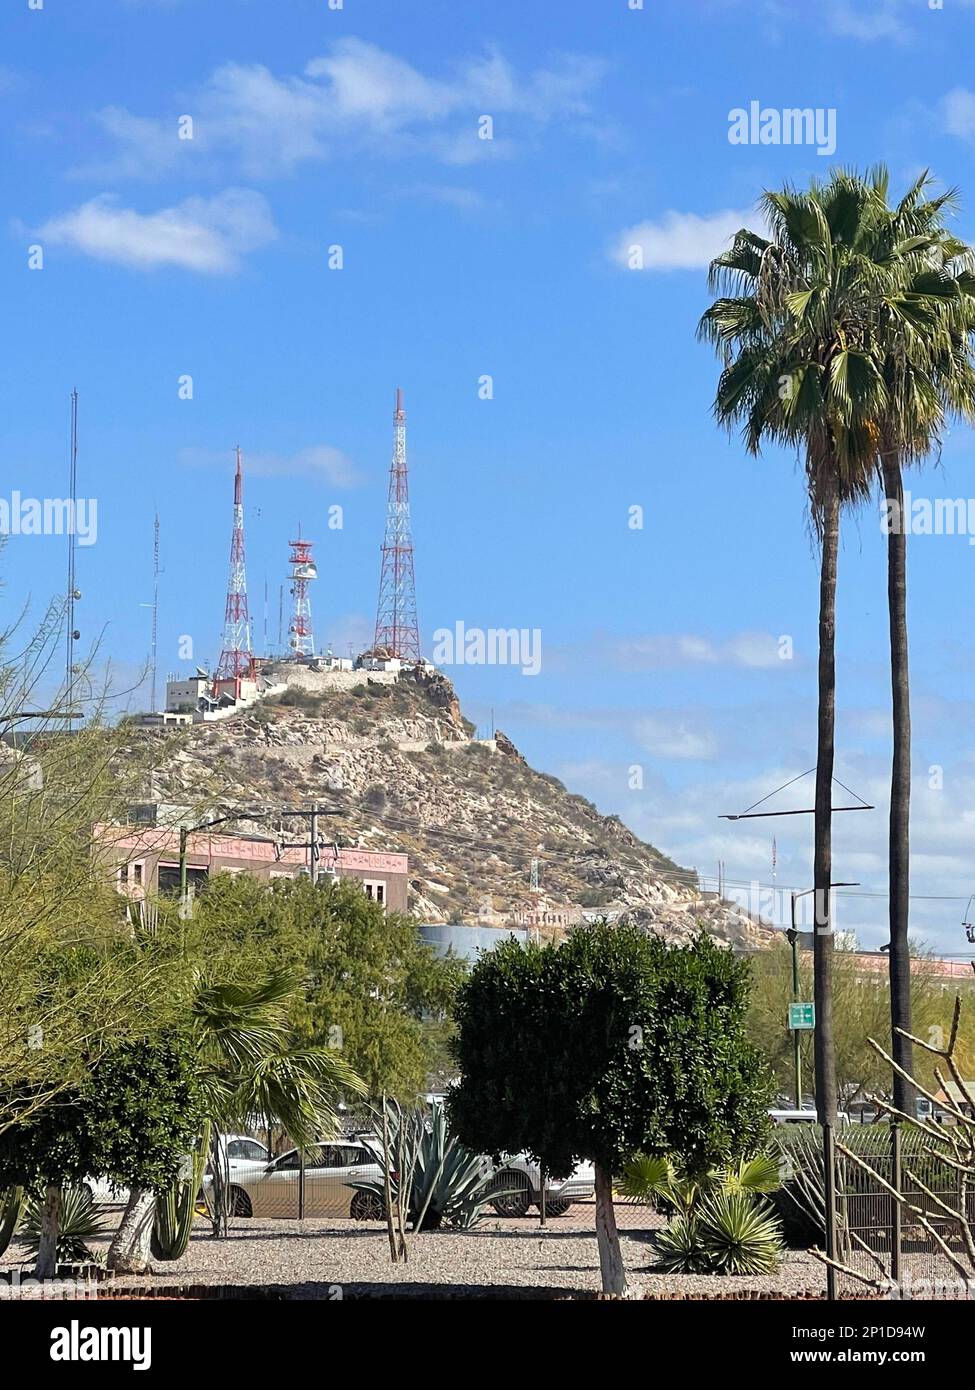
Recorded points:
(237, 654)
(303, 571)
(396, 625)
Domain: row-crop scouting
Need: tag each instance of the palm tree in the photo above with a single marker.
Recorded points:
(246, 1068)
(923, 331)
(792, 337)
(866, 313)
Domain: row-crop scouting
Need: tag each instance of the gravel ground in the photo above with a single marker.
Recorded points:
(315, 1257)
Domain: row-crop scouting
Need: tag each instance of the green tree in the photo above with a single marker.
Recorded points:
(848, 332)
(70, 985)
(245, 1065)
(372, 988)
(861, 1011)
(925, 317)
(130, 1120)
(610, 1045)
(790, 332)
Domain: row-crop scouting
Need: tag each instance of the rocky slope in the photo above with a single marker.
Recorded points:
(397, 758)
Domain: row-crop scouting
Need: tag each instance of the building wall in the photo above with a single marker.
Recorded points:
(138, 856)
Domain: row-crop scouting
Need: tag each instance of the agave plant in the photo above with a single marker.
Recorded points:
(11, 1206)
(443, 1183)
(79, 1222)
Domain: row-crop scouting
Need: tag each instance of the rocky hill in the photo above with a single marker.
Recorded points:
(400, 762)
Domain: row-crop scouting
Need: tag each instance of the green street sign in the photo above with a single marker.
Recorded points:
(802, 1016)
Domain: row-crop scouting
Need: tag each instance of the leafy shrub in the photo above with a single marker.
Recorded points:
(729, 1233)
(719, 1225)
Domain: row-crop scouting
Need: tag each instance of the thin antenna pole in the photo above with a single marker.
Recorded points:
(280, 619)
(155, 605)
(72, 591)
(266, 652)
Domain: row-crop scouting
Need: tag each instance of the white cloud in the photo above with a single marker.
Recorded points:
(356, 96)
(209, 235)
(319, 461)
(679, 650)
(670, 736)
(959, 113)
(680, 240)
(882, 23)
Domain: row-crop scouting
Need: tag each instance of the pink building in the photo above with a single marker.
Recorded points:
(145, 860)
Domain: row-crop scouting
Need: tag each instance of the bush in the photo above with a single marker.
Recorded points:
(726, 1230)
(79, 1222)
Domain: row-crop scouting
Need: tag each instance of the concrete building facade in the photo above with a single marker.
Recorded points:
(144, 860)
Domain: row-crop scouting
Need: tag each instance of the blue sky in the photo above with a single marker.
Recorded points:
(465, 257)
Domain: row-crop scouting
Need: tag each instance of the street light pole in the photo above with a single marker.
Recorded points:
(829, 1133)
(793, 937)
(186, 908)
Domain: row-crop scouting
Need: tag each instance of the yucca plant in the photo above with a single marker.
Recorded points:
(718, 1224)
(11, 1206)
(79, 1222)
(738, 1234)
(678, 1247)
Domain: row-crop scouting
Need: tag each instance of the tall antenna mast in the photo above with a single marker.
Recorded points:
(303, 571)
(155, 604)
(396, 626)
(237, 654)
(72, 595)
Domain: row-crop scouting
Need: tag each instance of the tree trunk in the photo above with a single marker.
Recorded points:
(129, 1251)
(900, 782)
(607, 1237)
(47, 1260)
(825, 1057)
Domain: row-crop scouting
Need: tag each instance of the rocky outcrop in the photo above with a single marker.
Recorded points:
(397, 760)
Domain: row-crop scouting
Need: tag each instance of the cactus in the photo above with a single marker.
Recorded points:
(175, 1209)
(11, 1205)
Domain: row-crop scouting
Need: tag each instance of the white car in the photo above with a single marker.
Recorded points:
(520, 1173)
(273, 1190)
(242, 1155)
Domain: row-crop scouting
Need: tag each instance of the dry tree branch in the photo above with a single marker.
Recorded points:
(903, 1201)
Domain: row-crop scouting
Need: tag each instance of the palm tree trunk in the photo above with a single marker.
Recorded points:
(607, 1237)
(900, 781)
(129, 1251)
(825, 1057)
(46, 1264)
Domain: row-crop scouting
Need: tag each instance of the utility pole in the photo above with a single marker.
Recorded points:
(793, 937)
(827, 1113)
(311, 813)
(72, 595)
(155, 604)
